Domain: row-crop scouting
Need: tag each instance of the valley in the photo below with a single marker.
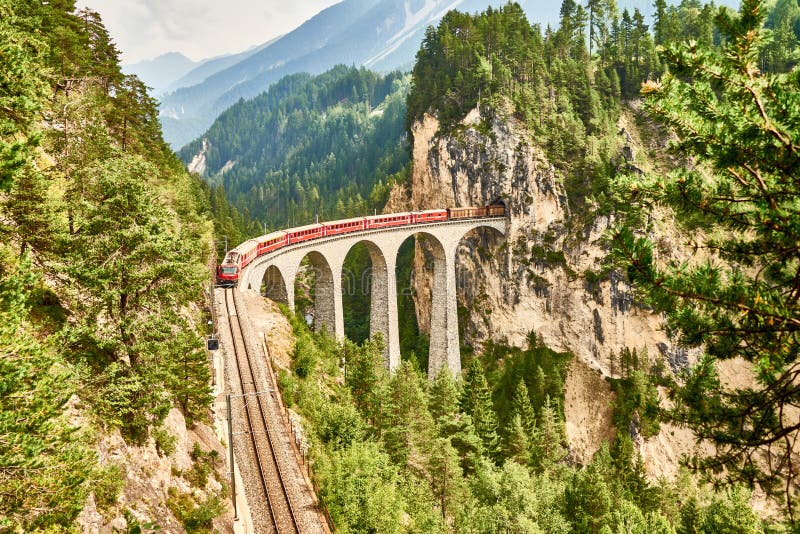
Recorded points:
(498, 267)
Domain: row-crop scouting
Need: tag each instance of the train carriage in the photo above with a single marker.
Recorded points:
(428, 216)
(304, 233)
(495, 210)
(343, 226)
(270, 242)
(387, 221)
(466, 213)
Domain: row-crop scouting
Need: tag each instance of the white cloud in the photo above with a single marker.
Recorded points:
(144, 29)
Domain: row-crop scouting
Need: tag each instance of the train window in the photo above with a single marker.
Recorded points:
(229, 270)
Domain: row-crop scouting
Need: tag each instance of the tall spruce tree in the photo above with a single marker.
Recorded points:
(476, 401)
(741, 297)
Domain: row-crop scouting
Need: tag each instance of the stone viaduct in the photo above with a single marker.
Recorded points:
(279, 269)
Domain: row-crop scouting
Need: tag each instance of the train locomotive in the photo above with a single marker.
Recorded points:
(240, 257)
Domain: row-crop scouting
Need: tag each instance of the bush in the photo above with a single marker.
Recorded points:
(165, 441)
(107, 482)
(305, 357)
(340, 425)
(196, 517)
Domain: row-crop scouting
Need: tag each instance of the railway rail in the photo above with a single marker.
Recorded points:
(273, 483)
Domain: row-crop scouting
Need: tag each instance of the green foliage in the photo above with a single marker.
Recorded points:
(334, 149)
(637, 401)
(44, 463)
(411, 339)
(340, 425)
(730, 513)
(356, 293)
(739, 298)
(365, 377)
(397, 453)
(118, 234)
(361, 487)
(133, 525)
(196, 517)
(203, 464)
(304, 358)
(541, 369)
(164, 440)
(476, 401)
(407, 424)
(22, 88)
(107, 484)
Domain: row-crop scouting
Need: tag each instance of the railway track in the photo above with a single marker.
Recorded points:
(269, 472)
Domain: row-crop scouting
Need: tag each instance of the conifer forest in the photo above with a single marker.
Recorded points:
(109, 238)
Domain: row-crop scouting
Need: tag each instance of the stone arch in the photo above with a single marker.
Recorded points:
(443, 351)
(325, 288)
(273, 285)
(379, 282)
(477, 253)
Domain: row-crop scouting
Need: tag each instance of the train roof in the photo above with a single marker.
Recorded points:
(246, 246)
(432, 211)
(271, 235)
(304, 228)
(344, 221)
(388, 215)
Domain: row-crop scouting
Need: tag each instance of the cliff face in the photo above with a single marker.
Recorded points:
(542, 277)
(534, 279)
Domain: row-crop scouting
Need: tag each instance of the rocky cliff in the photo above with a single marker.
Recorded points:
(546, 277)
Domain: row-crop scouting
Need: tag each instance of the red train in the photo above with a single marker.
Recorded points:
(241, 256)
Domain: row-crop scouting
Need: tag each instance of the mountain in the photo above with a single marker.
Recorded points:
(334, 141)
(209, 67)
(162, 71)
(379, 34)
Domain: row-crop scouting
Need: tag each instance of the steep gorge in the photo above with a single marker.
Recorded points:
(547, 277)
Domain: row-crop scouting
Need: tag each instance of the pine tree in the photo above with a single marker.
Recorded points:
(521, 405)
(518, 442)
(443, 397)
(22, 85)
(741, 126)
(44, 466)
(521, 427)
(409, 428)
(548, 441)
(366, 378)
(447, 482)
(476, 401)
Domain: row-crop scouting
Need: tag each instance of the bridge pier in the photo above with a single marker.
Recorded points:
(383, 302)
(445, 350)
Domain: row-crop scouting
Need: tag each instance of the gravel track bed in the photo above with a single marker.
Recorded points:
(303, 501)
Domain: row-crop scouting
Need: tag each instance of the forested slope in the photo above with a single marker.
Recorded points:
(104, 243)
(324, 145)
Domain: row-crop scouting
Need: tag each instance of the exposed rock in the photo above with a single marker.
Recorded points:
(148, 476)
(588, 401)
(198, 163)
(536, 279)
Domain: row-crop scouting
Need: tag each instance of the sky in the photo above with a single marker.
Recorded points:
(199, 29)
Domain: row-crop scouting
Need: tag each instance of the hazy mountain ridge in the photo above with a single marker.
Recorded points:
(160, 72)
(380, 34)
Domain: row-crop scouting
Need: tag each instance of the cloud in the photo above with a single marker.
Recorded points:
(144, 29)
